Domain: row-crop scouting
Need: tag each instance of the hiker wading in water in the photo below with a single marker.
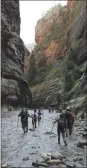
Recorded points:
(39, 115)
(24, 119)
(61, 128)
(69, 120)
(34, 119)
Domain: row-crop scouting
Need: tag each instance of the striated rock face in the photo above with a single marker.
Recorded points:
(70, 31)
(43, 29)
(14, 85)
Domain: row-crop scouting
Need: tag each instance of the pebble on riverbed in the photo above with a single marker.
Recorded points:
(25, 158)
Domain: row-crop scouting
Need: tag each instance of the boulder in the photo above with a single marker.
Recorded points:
(40, 160)
(56, 155)
(70, 165)
(39, 164)
(54, 162)
(46, 156)
(78, 159)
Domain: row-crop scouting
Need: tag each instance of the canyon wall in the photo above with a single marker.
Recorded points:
(14, 88)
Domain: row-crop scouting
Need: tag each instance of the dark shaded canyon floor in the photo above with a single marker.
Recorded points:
(16, 145)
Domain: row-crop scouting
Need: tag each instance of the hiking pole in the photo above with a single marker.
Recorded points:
(52, 128)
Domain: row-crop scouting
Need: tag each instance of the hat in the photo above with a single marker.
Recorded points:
(68, 108)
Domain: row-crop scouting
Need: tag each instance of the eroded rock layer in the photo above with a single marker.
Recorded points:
(14, 85)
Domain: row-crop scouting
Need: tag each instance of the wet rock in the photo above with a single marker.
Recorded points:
(77, 159)
(52, 136)
(70, 165)
(40, 160)
(4, 165)
(84, 135)
(46, 157)
(85, 129)
(39, 164)
(33, 153)
(62, 166)
(54, 161)
(56, 155)
(25, 158)
(30, 129)
(81, 144)
(78, 165)
(49, 133)
(33, 147)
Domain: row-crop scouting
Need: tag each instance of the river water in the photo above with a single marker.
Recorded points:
(16, 145)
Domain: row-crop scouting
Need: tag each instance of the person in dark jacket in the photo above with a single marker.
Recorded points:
(69, 120)
(34, 119)
(65, 121)
(61, 128)
(39, 115)
(24, 119)
(82, 116)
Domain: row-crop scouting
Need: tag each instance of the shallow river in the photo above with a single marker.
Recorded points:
(16, 145)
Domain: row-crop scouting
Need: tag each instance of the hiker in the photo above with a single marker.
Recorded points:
(65, 121)
(39, 115)
(34, 119)
(9, 108)
(24, 119)
(82, 116)
(69, 120)
(61, 129)
(49, 108)
(73, 117)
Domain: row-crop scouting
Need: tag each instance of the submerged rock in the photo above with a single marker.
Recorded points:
(62, 166)
(25, 158)
(54, 162)
(39, 164)
(82, 144)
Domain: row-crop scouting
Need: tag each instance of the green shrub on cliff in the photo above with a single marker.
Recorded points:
(71, 74)
(40, 75)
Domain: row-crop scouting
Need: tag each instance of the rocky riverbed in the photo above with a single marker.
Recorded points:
(39, 148)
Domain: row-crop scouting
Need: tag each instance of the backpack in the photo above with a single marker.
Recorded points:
(24, 116)
(35, 117)
(61, 124)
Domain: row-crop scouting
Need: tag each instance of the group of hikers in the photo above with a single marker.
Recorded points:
(24, 118)
(64, 122)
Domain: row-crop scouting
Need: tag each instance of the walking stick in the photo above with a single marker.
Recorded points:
(52, 128)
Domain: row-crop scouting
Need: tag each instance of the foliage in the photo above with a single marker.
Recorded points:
(41, 62)
(40, 75)
(58, 99)
(69, 81)
(71, 74)
(76, 44)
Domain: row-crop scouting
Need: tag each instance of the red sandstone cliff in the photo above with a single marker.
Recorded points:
(48, 31)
